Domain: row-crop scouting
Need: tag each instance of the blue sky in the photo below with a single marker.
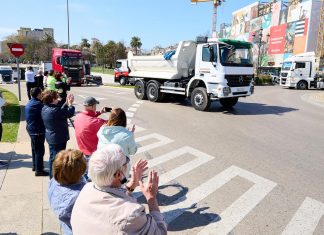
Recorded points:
(156, 22)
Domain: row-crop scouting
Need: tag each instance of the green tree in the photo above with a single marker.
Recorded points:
(136, 44)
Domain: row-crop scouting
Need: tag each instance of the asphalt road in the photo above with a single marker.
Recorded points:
(255, 169)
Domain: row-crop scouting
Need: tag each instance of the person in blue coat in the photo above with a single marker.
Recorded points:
(56, 125)
(36, 130)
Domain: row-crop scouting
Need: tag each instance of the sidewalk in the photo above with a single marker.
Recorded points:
(23, 197)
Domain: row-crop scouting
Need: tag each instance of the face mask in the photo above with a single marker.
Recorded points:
(126, 175)
(124, 180)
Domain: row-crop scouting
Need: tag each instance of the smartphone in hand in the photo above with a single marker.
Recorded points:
(108, 109)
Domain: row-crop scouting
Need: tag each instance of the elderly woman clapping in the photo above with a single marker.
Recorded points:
(106, 207)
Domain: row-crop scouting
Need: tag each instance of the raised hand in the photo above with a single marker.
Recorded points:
(150, 188)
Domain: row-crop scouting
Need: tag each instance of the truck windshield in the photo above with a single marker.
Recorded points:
(238, 56)
(286, 66)
(69, 61)
(118, 65)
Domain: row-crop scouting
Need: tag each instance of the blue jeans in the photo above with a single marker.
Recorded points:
(38, 151)
(54, 149)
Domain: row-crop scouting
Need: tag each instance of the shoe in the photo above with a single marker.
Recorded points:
(33, 169)
(41, 173)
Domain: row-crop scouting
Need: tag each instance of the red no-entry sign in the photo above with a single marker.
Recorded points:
(16, 49)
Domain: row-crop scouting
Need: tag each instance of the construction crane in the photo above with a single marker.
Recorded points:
(216, 3)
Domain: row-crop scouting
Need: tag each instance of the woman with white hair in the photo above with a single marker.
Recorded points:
(104, 206)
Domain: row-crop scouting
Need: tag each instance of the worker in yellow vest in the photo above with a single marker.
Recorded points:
(51, 81)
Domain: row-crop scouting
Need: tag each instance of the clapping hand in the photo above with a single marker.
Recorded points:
(70, 99)
(137, 172)
(150, 189)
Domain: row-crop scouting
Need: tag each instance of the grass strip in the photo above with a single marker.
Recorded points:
(11, 118)
(102, 70)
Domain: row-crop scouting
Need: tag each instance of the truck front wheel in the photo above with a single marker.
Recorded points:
(302, 85)
(139, 90)
(122, 81)
(199, 99)
(153, 93)
(228, 102)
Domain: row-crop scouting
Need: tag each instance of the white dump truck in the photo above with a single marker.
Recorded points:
(204, 71)
(299, 71)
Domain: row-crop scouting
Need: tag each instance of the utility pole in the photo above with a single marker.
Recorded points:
(68, 22)
(260, 43)
(216, 3)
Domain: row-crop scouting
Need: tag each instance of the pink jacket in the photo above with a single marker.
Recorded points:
(113, 211)
(86, 126)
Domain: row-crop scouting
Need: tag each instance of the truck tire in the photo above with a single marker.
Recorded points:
(122, 81)
(302, 85)
(228, 102)
(152, 92)
(139, 90)
(200, 99)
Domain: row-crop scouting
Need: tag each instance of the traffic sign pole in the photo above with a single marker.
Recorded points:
(18, 79)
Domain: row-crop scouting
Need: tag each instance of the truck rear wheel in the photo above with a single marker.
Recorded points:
(199, 99)
(228, 102)
(302, 85)
(152, 92)
(139, 90)
(122, 81)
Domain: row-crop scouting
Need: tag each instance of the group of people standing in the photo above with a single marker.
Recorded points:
(90, 189)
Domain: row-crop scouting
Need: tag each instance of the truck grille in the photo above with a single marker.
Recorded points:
(283, 81)
(74, 74)
(284, 74)
(238, 80)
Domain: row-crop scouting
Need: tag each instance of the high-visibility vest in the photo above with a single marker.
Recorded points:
(51, 83)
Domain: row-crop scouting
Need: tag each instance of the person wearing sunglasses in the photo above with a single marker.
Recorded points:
(106, 205)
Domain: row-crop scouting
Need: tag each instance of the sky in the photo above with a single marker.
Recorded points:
(156, 22)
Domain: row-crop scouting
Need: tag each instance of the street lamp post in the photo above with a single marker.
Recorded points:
(68, 22)
(260, 43)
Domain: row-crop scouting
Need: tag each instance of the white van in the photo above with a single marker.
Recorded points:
(6, 74)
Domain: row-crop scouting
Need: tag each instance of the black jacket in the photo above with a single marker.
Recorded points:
(55, 121)
(39, 81)
(33, 114)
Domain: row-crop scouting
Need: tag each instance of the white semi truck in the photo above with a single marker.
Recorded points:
(204, 71)
(299, 71)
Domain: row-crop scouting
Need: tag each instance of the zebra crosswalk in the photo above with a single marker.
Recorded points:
(305, 220)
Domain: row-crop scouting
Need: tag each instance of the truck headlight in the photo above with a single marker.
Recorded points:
(226, 90)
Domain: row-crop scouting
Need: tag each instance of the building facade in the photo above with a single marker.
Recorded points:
(37, 34)
(288, 28)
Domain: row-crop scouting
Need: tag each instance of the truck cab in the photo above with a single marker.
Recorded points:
(121, 72)
(299, 71)
(70, 62)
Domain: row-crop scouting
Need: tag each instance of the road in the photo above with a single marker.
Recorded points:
(256, 169)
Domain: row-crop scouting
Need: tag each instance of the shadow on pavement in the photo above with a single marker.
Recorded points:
(16, 160)
(251, 109)
(189, 220)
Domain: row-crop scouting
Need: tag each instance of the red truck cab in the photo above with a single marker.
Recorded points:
(121, 72)
(70, 62)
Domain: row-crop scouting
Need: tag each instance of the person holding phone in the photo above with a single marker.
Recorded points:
(86, 125)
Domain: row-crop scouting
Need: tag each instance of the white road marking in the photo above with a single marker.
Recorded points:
(129, 114)
(132, 109)
(306, 218)
(136, 105)
(97, 98)
(139, 129)
(201, 158)
(232, 215)
(140, 101)
(162, 141)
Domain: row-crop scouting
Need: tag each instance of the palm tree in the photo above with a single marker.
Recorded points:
(136, 44)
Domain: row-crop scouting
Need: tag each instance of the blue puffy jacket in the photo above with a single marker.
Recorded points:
(33, 115)
(55, 121)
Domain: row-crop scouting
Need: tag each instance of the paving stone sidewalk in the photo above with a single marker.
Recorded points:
(23, 197)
